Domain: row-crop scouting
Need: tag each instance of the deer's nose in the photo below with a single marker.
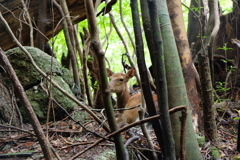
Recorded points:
(110, 86)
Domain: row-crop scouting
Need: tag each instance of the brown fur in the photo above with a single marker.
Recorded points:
(118, 85)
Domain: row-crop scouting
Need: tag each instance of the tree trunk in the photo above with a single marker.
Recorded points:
(193, 24)
(210, 127)
(197, 19)
(175, 8)
(145, 81)
(100, 55)
(157, 56)
(177, 94)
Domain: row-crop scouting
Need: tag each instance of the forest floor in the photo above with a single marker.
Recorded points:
(69, 139)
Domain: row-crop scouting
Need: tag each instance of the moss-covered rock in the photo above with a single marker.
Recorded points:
(36, 85)
(38, 96)
(25, 71)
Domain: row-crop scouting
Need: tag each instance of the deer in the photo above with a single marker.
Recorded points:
(118, 84)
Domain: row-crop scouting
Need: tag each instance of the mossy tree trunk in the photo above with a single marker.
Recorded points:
(176, 14)
(210, 127)
(177, 94)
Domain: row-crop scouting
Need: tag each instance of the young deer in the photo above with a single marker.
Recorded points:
(118, 85)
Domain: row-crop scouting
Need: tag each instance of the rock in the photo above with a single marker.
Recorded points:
(25, 71)
(36, 85)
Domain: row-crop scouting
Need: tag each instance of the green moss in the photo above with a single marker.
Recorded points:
(215, 153)
(25, 71)
(36, 85)
(38, 98)
(201, 140)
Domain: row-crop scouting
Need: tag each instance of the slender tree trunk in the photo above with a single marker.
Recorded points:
(176, 14)
(210, 127)
(68, 33)
(193, 25)
(160, 74)
(95, 41)
(177, 94)
(143, 72)
(42, 15)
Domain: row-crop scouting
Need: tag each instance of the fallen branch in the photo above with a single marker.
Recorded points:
(26, 104)
(45, 75)
(171, 111)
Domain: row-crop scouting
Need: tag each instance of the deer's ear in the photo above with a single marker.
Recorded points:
(130, 73)
(109, 72)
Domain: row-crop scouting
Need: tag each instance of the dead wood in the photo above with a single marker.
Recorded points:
(23, 98)
(15, 15)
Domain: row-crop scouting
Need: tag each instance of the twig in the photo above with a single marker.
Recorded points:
(13, 127)
(117, 132)
(125, 26)
(106, 39)
(29, 22)
(14, 103)
(146, 134)
(140, 153)
(45, 75)
(200, 32)
(25, 102)
(22, 20)
(78, 122)
(68, 33)
(85, 71)
(130, 140)
(146, 149)
(107, 8)
(183, 133)
(118, 109)
(171, 111)
(77, 144)
(125, 46)
(16, 155)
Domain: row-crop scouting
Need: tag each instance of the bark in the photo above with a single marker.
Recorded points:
(210, 127)
(69, 37)
(41, 25)
(126, 47)
(160, 74)
(12, 11)
(193, 24)
(7, 27)
(176, 14)
(205, 61)
(196, 26)
(238, 137)
(8, 106)
(95, 41)
(143, 72)
(177, 94)
(27, 106)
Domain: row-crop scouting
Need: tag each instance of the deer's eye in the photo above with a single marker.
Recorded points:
(121, 79)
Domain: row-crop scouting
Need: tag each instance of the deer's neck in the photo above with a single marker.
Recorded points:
(122, 98)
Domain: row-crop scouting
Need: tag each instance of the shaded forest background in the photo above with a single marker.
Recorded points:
(67, 48)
